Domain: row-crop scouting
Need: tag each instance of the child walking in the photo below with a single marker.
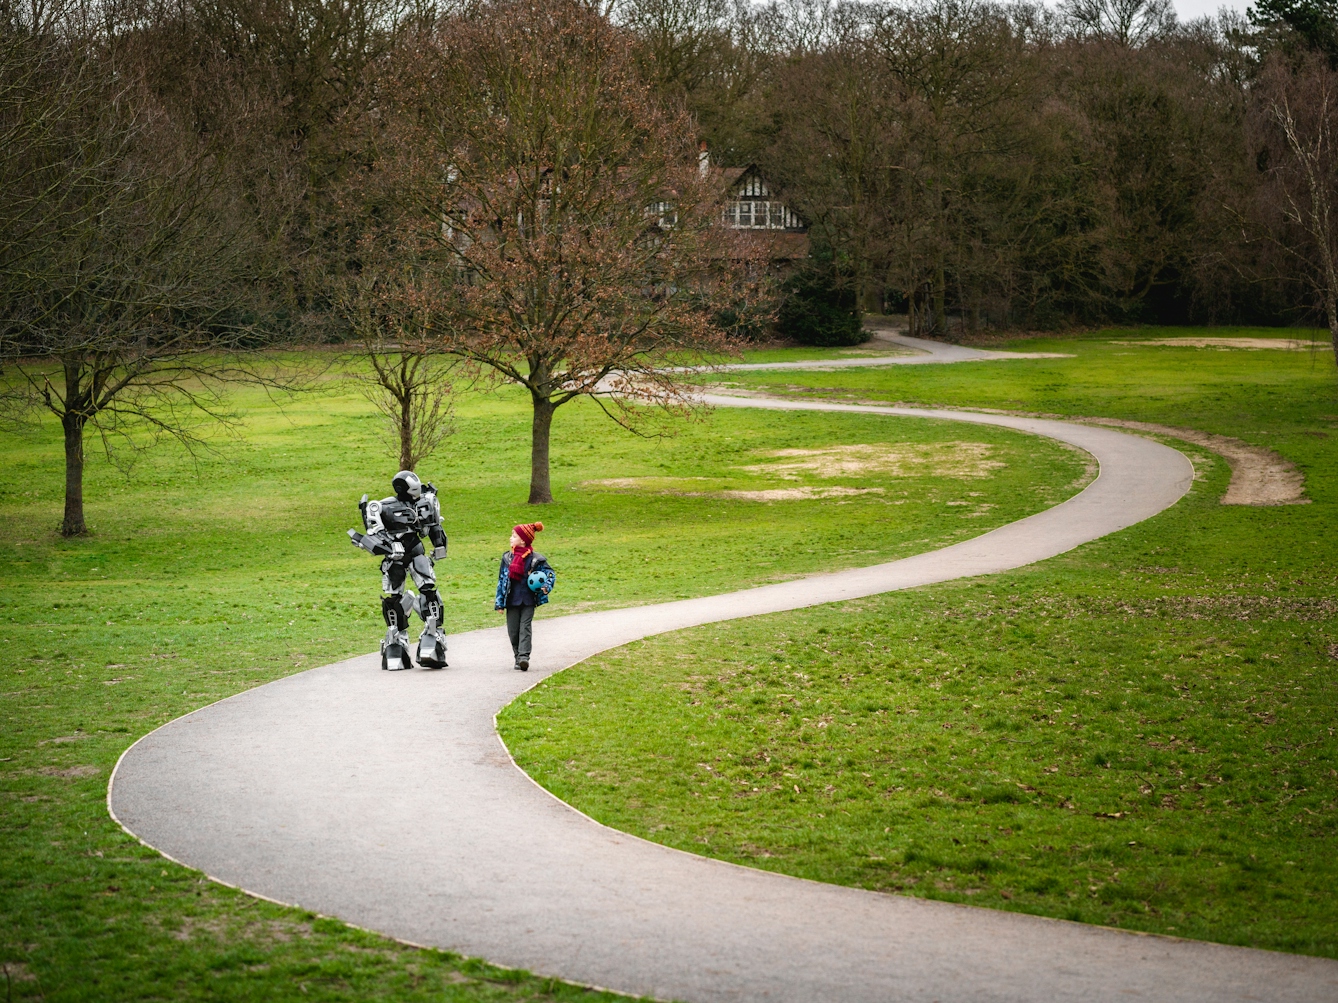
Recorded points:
(517, 595)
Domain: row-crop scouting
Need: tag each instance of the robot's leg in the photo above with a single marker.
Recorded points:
(395, 645)
(432, 642)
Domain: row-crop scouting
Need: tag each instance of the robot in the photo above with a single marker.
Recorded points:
(395, 527)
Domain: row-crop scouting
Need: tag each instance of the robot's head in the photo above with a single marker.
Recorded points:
(407, 486)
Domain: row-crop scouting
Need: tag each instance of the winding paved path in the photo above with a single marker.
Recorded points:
(926, 352)
(388, 800)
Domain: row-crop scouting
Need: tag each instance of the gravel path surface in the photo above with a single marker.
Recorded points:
(387, 799)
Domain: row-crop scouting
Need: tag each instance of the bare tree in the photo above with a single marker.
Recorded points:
(1297, 119)
(124, 268)
(590, 247)
(898, 141)
(1124, 22)
(710, 56)
(989, 165)
(401, 366)
(839, 155)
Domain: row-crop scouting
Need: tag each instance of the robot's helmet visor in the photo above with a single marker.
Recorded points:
(407, 486)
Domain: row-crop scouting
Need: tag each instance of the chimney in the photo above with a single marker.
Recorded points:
(703, 160)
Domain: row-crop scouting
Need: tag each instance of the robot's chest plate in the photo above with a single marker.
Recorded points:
(398, 516)
(407, 516)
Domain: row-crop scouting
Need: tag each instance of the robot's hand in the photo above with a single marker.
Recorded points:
(438, 553)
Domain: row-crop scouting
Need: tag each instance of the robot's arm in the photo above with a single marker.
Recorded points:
(434, 531)
(375, 543)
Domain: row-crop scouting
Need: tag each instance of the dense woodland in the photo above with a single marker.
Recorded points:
(979, 164)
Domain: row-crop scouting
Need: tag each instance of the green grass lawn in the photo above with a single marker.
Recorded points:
(870, 349)
(203, 579)
(1140, 733)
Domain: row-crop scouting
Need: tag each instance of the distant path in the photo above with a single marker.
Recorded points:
(387, 799)
(932, 352)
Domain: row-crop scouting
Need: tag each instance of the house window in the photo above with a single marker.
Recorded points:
(751, 208)
(666, 217)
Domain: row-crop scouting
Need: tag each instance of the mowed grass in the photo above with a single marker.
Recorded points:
(203, 579)
(1140, 733)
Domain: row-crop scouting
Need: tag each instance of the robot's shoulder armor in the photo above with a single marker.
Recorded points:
(428, 508)
(371, 515)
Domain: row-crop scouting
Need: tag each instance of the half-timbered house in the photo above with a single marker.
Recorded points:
(757, 215)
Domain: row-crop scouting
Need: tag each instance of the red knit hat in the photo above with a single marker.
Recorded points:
(527, 530)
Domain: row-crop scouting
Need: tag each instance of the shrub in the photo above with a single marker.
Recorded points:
(818, 312)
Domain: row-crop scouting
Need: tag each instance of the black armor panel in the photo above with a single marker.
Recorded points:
(398, 517)
(407, 521)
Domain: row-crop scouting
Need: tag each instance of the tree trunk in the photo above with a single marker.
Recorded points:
(1330, 286)
(1333, 325)
(73, 523)
(406, 432)
(541, 491)
(940, 301)
(871, 296)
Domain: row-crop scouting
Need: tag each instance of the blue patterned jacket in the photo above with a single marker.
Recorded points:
(536, 561)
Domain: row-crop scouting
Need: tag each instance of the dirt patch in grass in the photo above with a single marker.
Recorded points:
(679, 487)
(933, 459)
(797, 494)
(17, 971)
(1258, 476)
(959, 460)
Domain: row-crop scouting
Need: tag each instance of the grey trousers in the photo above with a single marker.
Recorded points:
(520, 627)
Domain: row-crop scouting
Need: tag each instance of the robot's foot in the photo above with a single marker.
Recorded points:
(395, 656)
(432, 651)
(432, 646)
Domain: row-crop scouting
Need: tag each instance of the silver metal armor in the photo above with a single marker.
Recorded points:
(395, 528)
